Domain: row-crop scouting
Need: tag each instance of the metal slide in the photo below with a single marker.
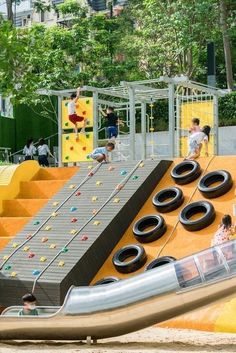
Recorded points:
(132, 304)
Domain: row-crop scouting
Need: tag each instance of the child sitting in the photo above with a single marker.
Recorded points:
(224, 231)
(195, 141)
(195, 126)
(29, 308)
(100, 154)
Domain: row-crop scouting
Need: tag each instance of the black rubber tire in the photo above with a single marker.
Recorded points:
(194, 208)
(106, 280)
(153, 234)
(204, 185)
(164, 260)
(180, 177)
(124, 253)
(177, 198)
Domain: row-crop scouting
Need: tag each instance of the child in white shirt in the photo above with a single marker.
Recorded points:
(195, 141)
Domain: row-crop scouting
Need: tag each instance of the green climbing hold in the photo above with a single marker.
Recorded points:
(66, 104)
(67, 157)
(67, 137)
(66, 124)
(8, 267)
(87, 101)
(135, 177)
(36, 223)
(87, 136)
(64, 250)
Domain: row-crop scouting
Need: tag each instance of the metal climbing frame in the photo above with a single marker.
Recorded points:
(134, 97)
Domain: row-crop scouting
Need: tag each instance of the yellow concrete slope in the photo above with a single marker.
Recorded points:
(181, 242)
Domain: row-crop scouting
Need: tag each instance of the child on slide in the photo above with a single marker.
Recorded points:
(100, 154)
(195, 141)
(73, 117)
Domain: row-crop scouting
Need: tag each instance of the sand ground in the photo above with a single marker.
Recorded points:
(151, 340)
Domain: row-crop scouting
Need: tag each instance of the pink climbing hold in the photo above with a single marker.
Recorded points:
(44, 240)
(78, 193)
(31, 255)
(74, 220)
(90, 174)
(94, 212)
(29, 236)
(84, 238)
(119, 187)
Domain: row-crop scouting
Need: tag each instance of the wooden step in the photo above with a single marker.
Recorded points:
(22, 207)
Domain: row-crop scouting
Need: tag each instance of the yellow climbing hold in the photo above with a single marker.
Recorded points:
(43, 259)
(96, 223)
(90, 167)
(61, 263)
(54, 214)
(116, 200)
(151, 129)
(98, 183)
(15, 245)
(5, 257)
(72, 186)
(56, 203)
(141, 165)
(94, 198)
(26, 248)
(13, 274)
(52, 246)
(73, 231)
(48, 228)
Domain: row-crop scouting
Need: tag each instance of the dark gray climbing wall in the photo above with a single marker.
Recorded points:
(88, 251)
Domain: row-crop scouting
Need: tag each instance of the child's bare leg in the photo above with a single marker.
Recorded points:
(76, 129)
(100, 158)
(84, 126)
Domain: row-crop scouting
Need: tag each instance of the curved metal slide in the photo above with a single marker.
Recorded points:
(131, 304)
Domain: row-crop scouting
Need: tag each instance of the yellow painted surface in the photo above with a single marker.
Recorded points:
(201, 110)
(12, 176)
(84, 107)
(76, 150)
(183, 243)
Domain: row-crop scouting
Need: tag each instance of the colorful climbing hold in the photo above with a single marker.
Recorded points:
(26, 248)
(48, 228)
(119, 186)
(36, 223)
(96, 223)
(66, 124)
(123, 172)
(71, 186)
(71, 148)
(8, 267)
(84, 238)
(135, 177)
(84, 112)
(78, 193)
(74, 220)
(55, 203)
(94, 198)
(90, 167)
(73, 231)
(13, 274)
(43, 259)
(64, 250)
(98, 183)
(67, 137)
(141, 165)
(90, 174)
(116, 200)
(31, 255)
(53, 246)
(61, 263)
(5, 257)
(15, 245)
(36, 272)
(66, 104)
(54, 214)
(94, 212)
(151, 129)
(72, 209)
(87, 136)
(67, 158)
(29, 236)
(84, 148)
(110, 169)
(87, 101)
(44, 239)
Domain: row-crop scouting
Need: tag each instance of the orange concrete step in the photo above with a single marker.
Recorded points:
(22, 207)
(56, 173)
(10, 226)
(41, 189)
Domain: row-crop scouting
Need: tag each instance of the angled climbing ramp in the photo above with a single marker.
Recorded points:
(68, 241)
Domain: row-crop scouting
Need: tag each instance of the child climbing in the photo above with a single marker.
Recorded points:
(195, 127)
(29, 150)
(224, 232)
(195, 141)
(112, 122)
(43, 152)
(73, 117)
(100, 154)
(29, 308)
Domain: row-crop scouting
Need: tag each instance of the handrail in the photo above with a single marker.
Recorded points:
(114, 193)
(35, 144)
(88, 176)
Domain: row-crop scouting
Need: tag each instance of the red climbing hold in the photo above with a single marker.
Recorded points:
(71, 148)
(84, 148)
(84, 112)
(31, 255)
(74, 220)
(84, 238)
(78, 193)
(90, 174)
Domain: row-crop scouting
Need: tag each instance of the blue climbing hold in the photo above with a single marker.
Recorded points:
(36, 272)
(123, 172)
(73, 209)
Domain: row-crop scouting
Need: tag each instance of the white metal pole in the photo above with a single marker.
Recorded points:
(178, 126)
(143, 130)
(216, 124)
(171, 105)
(95, 119)
(132, 122)
(59, 117)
